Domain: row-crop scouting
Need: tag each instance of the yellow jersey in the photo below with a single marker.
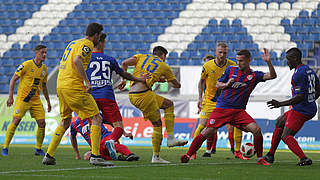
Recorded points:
(211, 72)
(31, 78)
(148, 63)
(68, 76)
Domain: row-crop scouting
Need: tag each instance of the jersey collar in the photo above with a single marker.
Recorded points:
(39, 66)
(222, 65)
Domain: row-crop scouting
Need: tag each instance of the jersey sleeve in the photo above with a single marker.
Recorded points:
(300, 83)
(168, 73)
(259, 76)
(84, 49)
(73, 132)
(116, 66)
(225, 76)
(46, 75)
(204, 73)
(21, 69)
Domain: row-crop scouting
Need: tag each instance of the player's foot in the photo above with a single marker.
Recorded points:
(158, 159)
(261, 161)
(4, 152)
(48, 160)
(112, 149)
(238, 155)
(99, 161)
(184, 158)
(193, 156)
(304, 162)
(232, 151)
(213, 151)
(206, 154)
(132, 157)
(172, 141)
(269, 157)
(122, 157)
(39, 152)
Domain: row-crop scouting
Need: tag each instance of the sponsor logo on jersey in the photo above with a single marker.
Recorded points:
(86, 50)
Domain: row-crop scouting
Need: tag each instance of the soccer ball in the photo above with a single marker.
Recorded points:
(247, 150)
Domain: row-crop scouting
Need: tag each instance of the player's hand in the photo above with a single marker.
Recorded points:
(199, 106)
(129, 135)
(122, 84)
(230, 81)
(88, 88)
(49, 107)
(273, 104)
(162, 79)
(266, 55)
(10, 101)
(78, 157)
(145, 75)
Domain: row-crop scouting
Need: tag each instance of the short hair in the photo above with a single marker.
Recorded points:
(38, 47)
(102, 38)
(222, 44)
(159, 50)
(244, 52)
(207, 56)
(93, 28)
(294, 52)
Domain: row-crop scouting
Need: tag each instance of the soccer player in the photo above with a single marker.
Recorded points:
(211, 72)
(305, 90)
(99, 73)
(73, 90)
(33, 78)
(142, 97)
(236, 84)
(107, 150)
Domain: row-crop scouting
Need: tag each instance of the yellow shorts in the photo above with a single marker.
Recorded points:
(149, 103)
(34, 106)
(77, 101)
(206, 111)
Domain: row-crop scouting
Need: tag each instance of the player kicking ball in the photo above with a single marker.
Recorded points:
(236, 84)
(305, 91)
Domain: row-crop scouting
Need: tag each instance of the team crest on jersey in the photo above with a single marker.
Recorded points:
(249, 77)
(85, 50)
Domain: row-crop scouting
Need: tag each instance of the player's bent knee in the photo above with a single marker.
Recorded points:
(208, 131)
(16, 121)
(41, 123)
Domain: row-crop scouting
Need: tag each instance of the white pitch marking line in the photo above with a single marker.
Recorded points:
(136, 166)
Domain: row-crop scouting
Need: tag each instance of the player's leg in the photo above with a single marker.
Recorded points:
(238, 139)
(276, 137)
(294, 123)
(211, 145)
(37, 112)
(167, 106)
(126, 154)
(204, 116)
(230, 137)
(19, 111)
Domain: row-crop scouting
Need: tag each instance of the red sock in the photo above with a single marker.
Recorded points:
(210, 142)
(258, 145)
(276, 138)
(293, 146)
(196, 144)
(231, 139)
(116, 133)
(214, 142)
(122, 149)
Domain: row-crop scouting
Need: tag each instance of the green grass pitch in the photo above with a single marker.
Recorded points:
(22, 164)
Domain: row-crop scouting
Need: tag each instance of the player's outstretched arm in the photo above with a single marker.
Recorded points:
(131, 61)
(74, 144)
(46, 95)
(11, 89)
(272, 72)
(80, 69)
(294, 100)
(222, 85)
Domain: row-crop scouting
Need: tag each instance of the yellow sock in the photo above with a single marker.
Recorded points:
(237, 138)
(169, 120)
(156, 140)
(10, 132)
(39, 137)
(95, 137)
(55, 141)
(198, 130)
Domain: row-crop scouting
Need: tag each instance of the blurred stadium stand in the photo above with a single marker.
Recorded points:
(135, 26)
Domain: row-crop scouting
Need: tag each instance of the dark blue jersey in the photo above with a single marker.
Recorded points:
(304, 81)
(83, 127)
(99, 73)
(236, 96)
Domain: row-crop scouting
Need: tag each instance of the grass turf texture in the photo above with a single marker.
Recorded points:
(22, 164)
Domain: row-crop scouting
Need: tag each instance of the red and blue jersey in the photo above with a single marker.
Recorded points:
(83, 127)
(99, 73)
(236, 96)
(304, 81)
